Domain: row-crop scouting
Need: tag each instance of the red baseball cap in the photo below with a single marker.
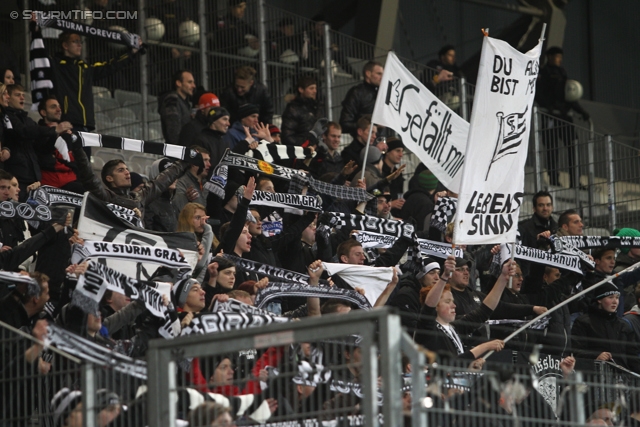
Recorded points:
(208, 100)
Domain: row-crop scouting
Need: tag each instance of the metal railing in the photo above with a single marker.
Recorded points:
(318, 369)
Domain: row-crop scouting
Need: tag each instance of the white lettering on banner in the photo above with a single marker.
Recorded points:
(491, 189)
(429, 129)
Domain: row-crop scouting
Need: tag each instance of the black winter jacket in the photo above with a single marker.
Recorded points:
(190, 132)
(25, 139)
(298, 119)
(598, 331)
(73, 85)
(407, 300)
(359, 101)
(530, 228)
(175, 112)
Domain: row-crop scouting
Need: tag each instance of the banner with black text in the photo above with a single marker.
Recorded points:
(492, 186)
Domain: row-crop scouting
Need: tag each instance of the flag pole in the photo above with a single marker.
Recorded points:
(366, 150)
(513, 255)
(565, 302)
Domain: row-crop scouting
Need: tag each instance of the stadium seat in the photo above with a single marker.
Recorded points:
(101, 92)
(102, 122)
(123, 96)
(136, 106)
(127, 113)
(155, 132)
(106, 104)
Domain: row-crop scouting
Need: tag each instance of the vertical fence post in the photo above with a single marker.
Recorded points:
(161, 384)
(327, 72)
(262, 29)
(202, 21)
(611, 183)
(575, 171)
(536, 147)
(369, 380)
(592, 172)
(463, 99)
(144, 76)
(88, 395)
(408, 347)
(577, 400)
(390, 335)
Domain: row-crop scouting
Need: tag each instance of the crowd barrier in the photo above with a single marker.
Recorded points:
(355, 369)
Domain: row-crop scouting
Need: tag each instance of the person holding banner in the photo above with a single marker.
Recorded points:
(438, 320)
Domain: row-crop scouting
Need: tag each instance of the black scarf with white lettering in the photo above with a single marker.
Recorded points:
(571, 259)
(284, 200)
(207, 323)
(26, 211)
(218, 179)
(52, 196)
(46, 20)
(283, 290)
(560, 243)
(275, 274)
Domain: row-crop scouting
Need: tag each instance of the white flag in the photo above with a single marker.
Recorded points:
(492, 185)
(429, 129)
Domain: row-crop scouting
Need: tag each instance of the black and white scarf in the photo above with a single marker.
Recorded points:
(94, 353)
(99, 278)
(52, 196)
(443, 212)
(11, 278)
(561, 243)
(283, 290)
(571, 259)
(230, 159)
(369, 240)
(538, 325)
(298, 182)
(208, 323)
(26, 211)
(451, 333)
(276, 153)
(137, 145)
(347, 387)
(171, 258)
(276, 274)
(284, 200)
(130, 40)
(235, 306)
(373, 224)
(41, 72)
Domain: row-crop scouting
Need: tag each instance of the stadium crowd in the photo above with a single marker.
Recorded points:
(444, 302)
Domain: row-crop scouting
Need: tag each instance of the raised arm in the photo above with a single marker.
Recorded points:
(493, 297)
(436, 292)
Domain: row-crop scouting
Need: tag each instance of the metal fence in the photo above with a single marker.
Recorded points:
(584, 170)
(337, 369)
(51, 387)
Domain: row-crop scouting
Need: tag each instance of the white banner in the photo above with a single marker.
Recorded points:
(492, 186)
(429, 129)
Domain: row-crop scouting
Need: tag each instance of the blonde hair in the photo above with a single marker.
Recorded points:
(185, 219)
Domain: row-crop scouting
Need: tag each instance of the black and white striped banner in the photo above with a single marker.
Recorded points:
(94, 353)
(275, 153)
(137, 145)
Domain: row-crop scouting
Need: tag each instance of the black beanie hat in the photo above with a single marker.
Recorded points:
(216, 113)
(393, 143)
(605, 290)
(247, 110)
